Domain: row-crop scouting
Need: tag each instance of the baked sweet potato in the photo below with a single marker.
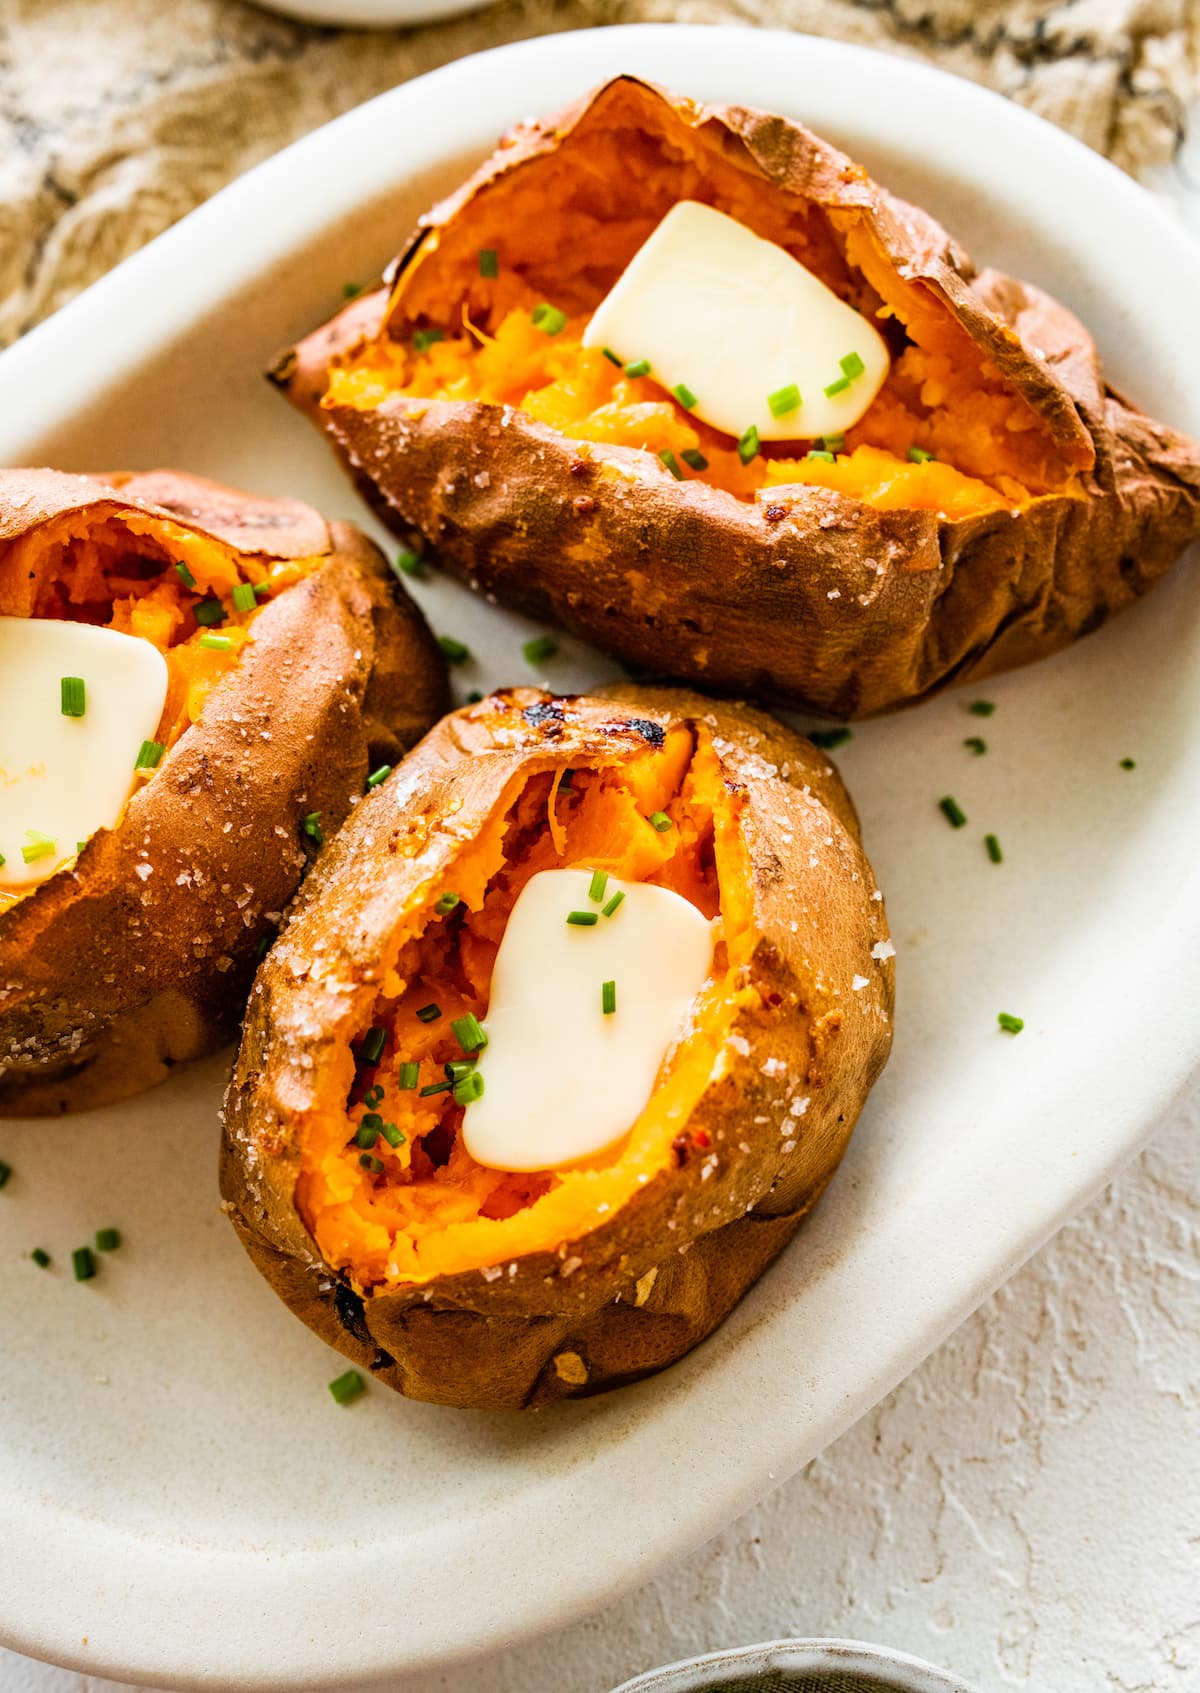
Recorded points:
(995, 502)
(138, 951)
(479, 1287)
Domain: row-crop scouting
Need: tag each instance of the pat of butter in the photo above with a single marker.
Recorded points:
(563, 1081)
(736, 319)
(65, 777)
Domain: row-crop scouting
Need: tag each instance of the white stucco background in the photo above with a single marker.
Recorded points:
(1024, 1509)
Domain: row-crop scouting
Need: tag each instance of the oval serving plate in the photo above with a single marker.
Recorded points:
(184, 1503)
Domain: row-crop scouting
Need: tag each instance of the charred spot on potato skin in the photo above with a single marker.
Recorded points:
(681, 1147)
(775, 514)
(351, 1313)
(583, 505)
(381, 1361)
(652, 733)
(578, 467)
(546, 714)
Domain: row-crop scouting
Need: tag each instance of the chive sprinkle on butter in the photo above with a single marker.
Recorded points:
(639, 367)
(1128, 764)
(597, 885)
(1010, 1024)
(613, 358)
(614, 903)
(981, 708)
(608, 998)
(685, 396)
(994, 852)
(107, 1240)
(976, 744)
(40, 1257)
(5, 1173)
(347, 1388)
(149, 755)
(469, 1089)
(784, 400)
(582, 919)
(837, 387)
(852, 366)
(83, 1264)
(40, 846)
(73, 696)
(952, 812)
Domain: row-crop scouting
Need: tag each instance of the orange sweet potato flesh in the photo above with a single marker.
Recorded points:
(137, 953)
(847, 587)
(473, 1287)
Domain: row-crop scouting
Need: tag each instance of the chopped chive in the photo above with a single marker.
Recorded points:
(852, 366)
(672, 463)
(457, 1068)
(582, 919)
(684, 395)
(244, 597)
(83, 1264)
(73, 696)
(445, 903)
(614, 902)
(5, 1173)
(993, 849)
(473, 698)
(469, 1089)
(263, 947)
(373, 1044)
(613, 358)
(1128, 764)
(434, 1087)
(351, 290)
(1010, 1024)
(469, 1032)
(639, 367)
(977, 745)
(367, 1134)
(489, 263)
(695, 458)
(784, 400)
(660, 821)
(429, 1013)
(548, 319)
(918, 455)
(107, 1240)
(185, 575)
(4, 860)
(748, 445)
(40, 1257)
(828, 739)
(393, 1135)
(952, 812)
(838, 387)
(454, 652)
(426, 338)
(608, 998)
(149, 755)
(408, 563)
(216, 643)
(981, 708)
(369, 1162)
(347, 1388)
(41, 846)
(209, 613)
(406, 1081)
(539, 649)
(833, 443)
(311, 826)
(262, 590)
(380, 775)
(820, 453)
(373, 1097)
(597, 885)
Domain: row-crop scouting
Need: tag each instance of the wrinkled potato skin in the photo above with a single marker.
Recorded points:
(633, 1295)
(804, 596)
(111, 974)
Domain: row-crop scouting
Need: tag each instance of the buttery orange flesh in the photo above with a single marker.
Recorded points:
(122, 575)
(429, 1209)
(563, 234)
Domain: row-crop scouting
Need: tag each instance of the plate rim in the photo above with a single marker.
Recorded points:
(52, 1633)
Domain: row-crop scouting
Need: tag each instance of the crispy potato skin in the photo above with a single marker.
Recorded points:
(633, 1295)
(805, 596)
(141, 955)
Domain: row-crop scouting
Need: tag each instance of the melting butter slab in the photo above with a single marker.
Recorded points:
(63, 777)
(738, 321)
(562, 1080)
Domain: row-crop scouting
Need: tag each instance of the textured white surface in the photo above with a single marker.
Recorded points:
(1024, 1508)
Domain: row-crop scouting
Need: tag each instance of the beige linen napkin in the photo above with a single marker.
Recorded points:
(117, 116)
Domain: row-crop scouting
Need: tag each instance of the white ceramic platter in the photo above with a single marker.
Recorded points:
(182, 1500)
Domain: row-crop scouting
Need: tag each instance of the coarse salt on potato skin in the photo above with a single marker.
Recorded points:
(139, 955)
(801, 1035)
(847, 589)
